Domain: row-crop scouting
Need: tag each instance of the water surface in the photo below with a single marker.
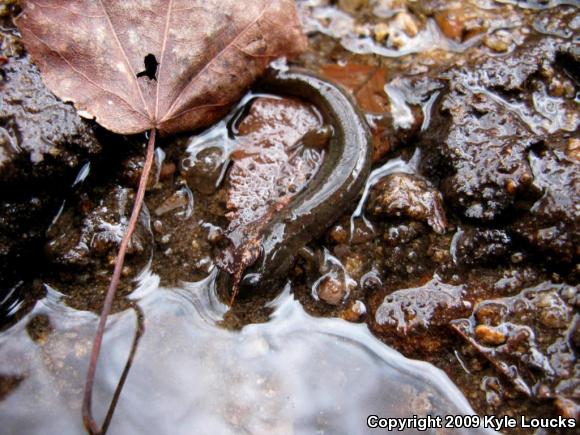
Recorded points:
(293, 374)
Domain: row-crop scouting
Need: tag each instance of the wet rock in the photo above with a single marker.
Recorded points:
(352, 5)
(180, 202)
(43, 143)
(418, 309)
(500, 41)
(398, 235)
(404, 195)
(355, 311)
(332, 290)
(355, 264)
(567, 408)
(461, 22)
(9, 384)
(493, 390)
(39, 328)
(494, 112)
(527, 338)
(407, 23)
(10, 44)
(481, 246)
(489, 336)
(490, 313)
(22, 227)
(488, 171)
(552, 224)
(40, 136)
(270, 163)
(329, 276)
(405, 251)
(561, 22)
(87, 233)
(338, 234)
(132, 167)
(204, 168)
(184, 228)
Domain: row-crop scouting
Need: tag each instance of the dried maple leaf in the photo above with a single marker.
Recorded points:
(167, 65)
(173, 65)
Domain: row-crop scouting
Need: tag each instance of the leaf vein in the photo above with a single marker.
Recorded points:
(85, 76)
(42, 5)
(134, 74)
(191, 109)
(221, 52)
(164, 45)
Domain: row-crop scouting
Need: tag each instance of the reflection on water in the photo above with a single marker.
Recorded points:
(295, 374)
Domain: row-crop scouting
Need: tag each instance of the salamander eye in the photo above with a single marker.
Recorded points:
(326, 130)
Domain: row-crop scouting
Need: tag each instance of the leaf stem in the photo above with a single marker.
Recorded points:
(88, 420)
(138, 334)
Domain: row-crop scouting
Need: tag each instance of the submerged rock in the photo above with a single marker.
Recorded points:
(89, 232)
(415, 310)
(527, 338)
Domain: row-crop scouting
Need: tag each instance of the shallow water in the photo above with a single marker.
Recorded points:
(293, 374)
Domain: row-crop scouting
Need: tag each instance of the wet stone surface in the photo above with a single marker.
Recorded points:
(400, 195)
(40, 136)
(272, 160)
(463, 249)
(552, 223)
(483, 246)
(407, 311)
(43, 144)
(494, 113)
(82, 237)
(530, 339)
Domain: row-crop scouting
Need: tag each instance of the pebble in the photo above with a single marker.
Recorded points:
(354, 312)
(407, 23)
(352, 5)
(331, 291)
(381, 31)
(489, 336)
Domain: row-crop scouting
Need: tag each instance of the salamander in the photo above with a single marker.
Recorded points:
(264, 261)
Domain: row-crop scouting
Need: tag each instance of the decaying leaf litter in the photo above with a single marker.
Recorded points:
(167, 66)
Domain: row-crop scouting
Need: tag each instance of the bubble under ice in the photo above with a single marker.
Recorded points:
(295, 374)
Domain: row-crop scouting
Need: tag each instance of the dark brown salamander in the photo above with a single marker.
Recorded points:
(265, 259)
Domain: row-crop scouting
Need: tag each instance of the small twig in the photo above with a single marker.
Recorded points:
(88, 420)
